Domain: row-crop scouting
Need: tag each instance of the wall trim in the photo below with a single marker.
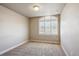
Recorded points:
(12, 48)
(45, 41)
(65, 50)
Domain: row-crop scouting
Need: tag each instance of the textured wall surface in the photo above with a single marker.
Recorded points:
(34, 32)
(70, 29)
(13, 28)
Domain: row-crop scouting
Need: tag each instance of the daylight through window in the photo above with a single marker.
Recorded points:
(48, 25)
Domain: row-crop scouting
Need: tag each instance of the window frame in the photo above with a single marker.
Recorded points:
(43, 19)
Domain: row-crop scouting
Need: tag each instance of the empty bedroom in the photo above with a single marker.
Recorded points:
(39, 29)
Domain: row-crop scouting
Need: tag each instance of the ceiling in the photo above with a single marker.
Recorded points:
(26, 9)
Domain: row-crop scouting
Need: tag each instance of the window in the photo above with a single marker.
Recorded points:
(48, 25)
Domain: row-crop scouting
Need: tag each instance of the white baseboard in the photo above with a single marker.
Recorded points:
(65, 50)
(45, 41)
(11, 48)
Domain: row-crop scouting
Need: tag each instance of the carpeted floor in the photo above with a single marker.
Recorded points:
(36, 49)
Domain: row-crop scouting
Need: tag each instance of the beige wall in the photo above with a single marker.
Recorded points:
(13, 28)
(34, 32)
(70, 29)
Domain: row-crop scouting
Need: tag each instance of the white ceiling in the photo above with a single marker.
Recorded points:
(26, 9)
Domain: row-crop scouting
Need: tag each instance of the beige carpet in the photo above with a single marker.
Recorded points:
(36, 49)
